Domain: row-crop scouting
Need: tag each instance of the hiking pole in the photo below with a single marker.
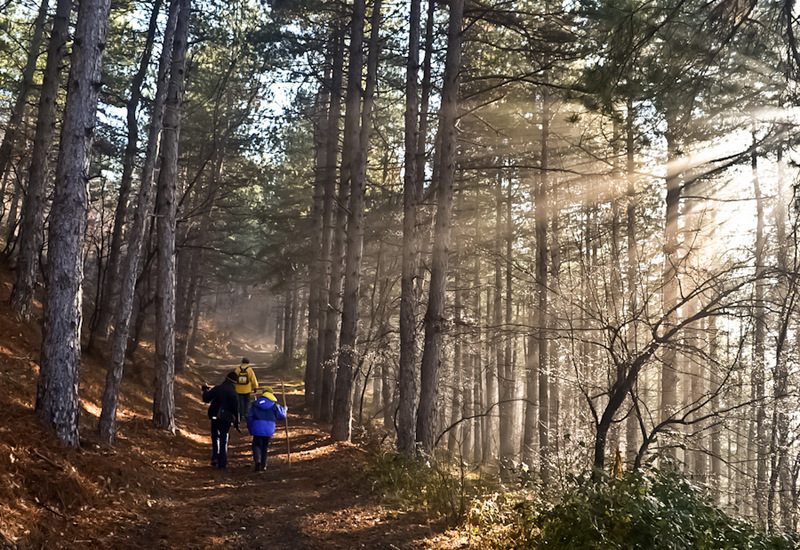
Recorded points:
(286, 425)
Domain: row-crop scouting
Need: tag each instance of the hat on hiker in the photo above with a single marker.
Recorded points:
(231, 376)
(268, 395)
(245, 361)
(266, 391)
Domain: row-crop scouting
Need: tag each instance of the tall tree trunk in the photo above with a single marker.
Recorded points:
(198, 300)
(789, 298)
(477, 364)
(122, 322)
(613, 288)
(316, 279)
(632, 422)
(57, 388)
(328, 207)
(333, 315)
(296, 305)
(31, 233)
(490, 393)
(542, 311)
(343, 399)
(669, 372)
(458, 380)
(328, 314)
(553, 354)
(112, 280)
(13, 128)
(759, 363)
(164, 397)
(715, 435)
(502, 339)
(531, 412)
(407, 376)
(467, 399)
(435, 314)
(190, 287)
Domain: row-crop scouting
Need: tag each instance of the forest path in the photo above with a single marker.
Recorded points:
(317, 502)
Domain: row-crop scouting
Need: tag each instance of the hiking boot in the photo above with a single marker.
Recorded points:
(214, 463)
(257, 468)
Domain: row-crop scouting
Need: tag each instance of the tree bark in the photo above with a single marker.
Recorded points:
(190, 287)
(541, 321)
(108, 414)
(632, 422)
(343, 398)
(31, 233)
(789, 297)
(759, 353)
(457, 378)
(477, 365)
(554, 413)
(316, 280)
(333, 314)
(435, 314)
(327, 335)
(57, 388)
(715, 435)
(407, 376)
(501, 338)
(164, 397)
(669, 372)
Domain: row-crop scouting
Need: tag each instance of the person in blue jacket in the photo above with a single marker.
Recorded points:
(261, 419)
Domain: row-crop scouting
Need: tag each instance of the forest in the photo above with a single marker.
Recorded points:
(550, 244)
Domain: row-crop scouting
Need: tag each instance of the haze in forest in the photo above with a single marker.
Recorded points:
(531, 242)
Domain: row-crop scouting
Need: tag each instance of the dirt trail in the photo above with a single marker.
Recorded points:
(318, 502)
(153, 490)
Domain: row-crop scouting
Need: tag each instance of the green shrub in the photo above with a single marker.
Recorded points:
(420, 484)
(656, 511)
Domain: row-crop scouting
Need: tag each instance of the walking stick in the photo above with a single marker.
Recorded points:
(286, 425)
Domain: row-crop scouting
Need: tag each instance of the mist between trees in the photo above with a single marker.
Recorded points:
(507, 233)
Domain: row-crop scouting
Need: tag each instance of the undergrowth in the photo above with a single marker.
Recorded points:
(653, 511)
(441, 491)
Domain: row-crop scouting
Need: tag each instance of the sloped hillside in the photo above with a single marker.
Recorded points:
(156, 490)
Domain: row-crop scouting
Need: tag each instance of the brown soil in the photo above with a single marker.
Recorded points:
(157, 490)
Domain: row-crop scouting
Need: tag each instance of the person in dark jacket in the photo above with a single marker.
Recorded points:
(261, 419)
(223, 411)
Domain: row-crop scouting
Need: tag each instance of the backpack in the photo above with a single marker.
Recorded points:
(243, 378)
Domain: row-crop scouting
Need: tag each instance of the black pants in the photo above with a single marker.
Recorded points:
(243, 399)
(219, 442)
(260, 446)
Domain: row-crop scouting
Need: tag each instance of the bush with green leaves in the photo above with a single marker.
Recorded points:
(420, 484)
(653, 511)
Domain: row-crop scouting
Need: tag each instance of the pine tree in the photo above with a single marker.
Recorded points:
(57, 388)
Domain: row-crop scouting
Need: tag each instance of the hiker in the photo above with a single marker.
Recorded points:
(261, 425)
(223, 411)
(246, 383)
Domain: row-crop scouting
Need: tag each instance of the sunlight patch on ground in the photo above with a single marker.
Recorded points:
(194, 437)
(344, 520)
(124, 413)
(92, 408)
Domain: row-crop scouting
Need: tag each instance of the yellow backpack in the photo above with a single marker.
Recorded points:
(243, 378)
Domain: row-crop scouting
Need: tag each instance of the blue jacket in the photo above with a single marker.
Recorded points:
(263, 415)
